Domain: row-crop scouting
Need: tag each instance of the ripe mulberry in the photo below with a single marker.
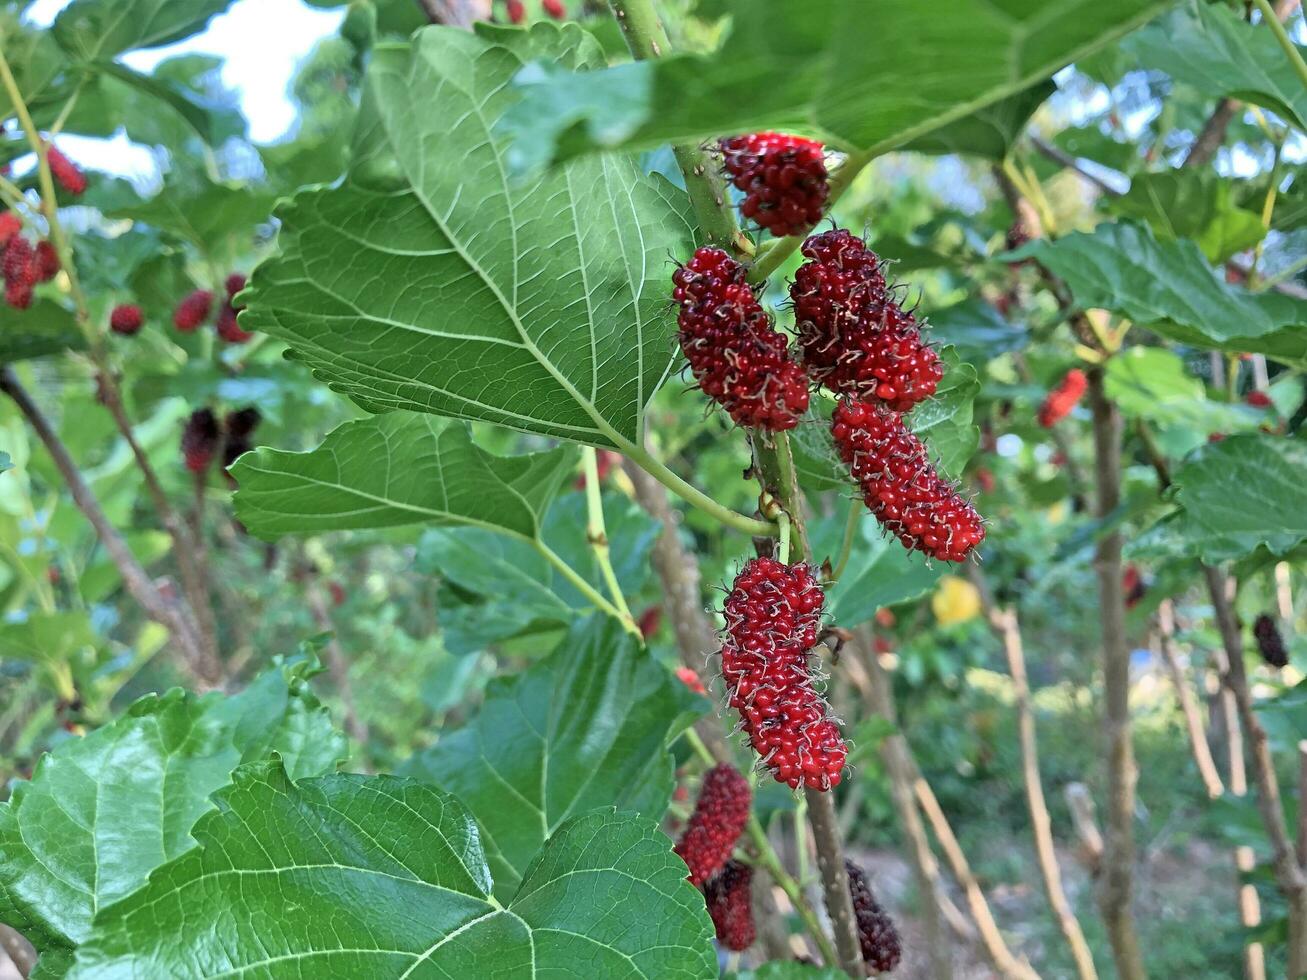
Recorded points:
(516, 11)
(1270, 642)
(900, 486)
(856, 338)
(881, 947)
(238, 428)
(773, 616)
(719, 818)
(126, 319)
(20, 272)
(737, 357)
(1133, 585)
(1059, 402)
(46, 261)
(227, 327)
(729, 897)
(192, 311)
(18, 295)
(67, 173)
(1258, 399)
(200, 440)
(554, 8)
(783, 179)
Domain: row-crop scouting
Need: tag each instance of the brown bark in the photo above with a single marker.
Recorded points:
(20, 952)
(1117, 883)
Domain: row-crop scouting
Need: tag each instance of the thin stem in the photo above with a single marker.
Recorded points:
(696, 497)
(1202, 751)
(1286, 43)
(58, 125)
(597, 534)
(769, 859)
(850, 535)
(773, 255)
(784, 521)
(584, 587)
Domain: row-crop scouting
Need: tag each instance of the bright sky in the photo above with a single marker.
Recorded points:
(261, 42)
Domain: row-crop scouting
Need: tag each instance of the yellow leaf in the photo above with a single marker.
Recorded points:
(955, 601)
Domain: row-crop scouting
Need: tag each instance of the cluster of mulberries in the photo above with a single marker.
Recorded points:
(204, 437)
(899, 484)
(126, 319)
(516, 10)
(195, 308)
(729, 899)
(67, 173)
(24, 266)
(857, 340)
(1059, 402)
(773, 616)
(736, 355)
(719, 817)
(783, 178)
(1269, 641)
(881, 947)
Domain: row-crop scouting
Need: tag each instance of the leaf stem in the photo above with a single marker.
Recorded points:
(597, 534)
(850, 535)
(1290, 49)
(769, 859)
(584, 587)
(772, 255)
(659, 470)
(784, 521)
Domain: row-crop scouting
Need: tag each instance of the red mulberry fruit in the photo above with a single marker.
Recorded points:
(719, 818)
(18, 295)
(67, 173)
(19, 262)
(516, 11)
(690, 678)
(899, 484)
(126, 319)
(1270, 642)
(737, 357)
(227, 327)
(1133, 585)
(856, 338)
(773, 617)
(46, 261)
(192, 311)
(1059, 402)
(783, 179)
(200, 440)
(729, 897)
(1258, 399)
(881, 947)
(10, 225)
(554, 8)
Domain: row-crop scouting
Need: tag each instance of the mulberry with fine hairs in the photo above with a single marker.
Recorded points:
(1059, 402)
(200, 440)
(856, 338)
(67, 173)
(881, 946)
(737, 357)
(126, 319)
(719, 817)
(899, 484)
(773, 617)
(1269, 641)
(783, 178)
(729, 897)
(192, 311)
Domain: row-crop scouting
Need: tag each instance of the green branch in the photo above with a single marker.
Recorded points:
(1290, 49)
(597, 534)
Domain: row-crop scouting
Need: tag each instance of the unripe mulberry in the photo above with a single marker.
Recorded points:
(1270, 642)
(737, 357)
(126, 319)
(900, 486)
(1059, 402)
(773, 617)
(856, 338)
(881, 947)
(67, 173)
(719, 818)
(729, 896)
(45, 261)
(554, 8)
(783, 179)
(10, 225)
(200, 440)
(516, 11)
(192, 311)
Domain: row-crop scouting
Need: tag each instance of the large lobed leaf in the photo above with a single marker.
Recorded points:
(381, 876)
(95, 30)
(102, 811)
(866, 75)
(1193, 204)
(587, 727)
(429, 281)
(397, 468)
(1168, 287)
